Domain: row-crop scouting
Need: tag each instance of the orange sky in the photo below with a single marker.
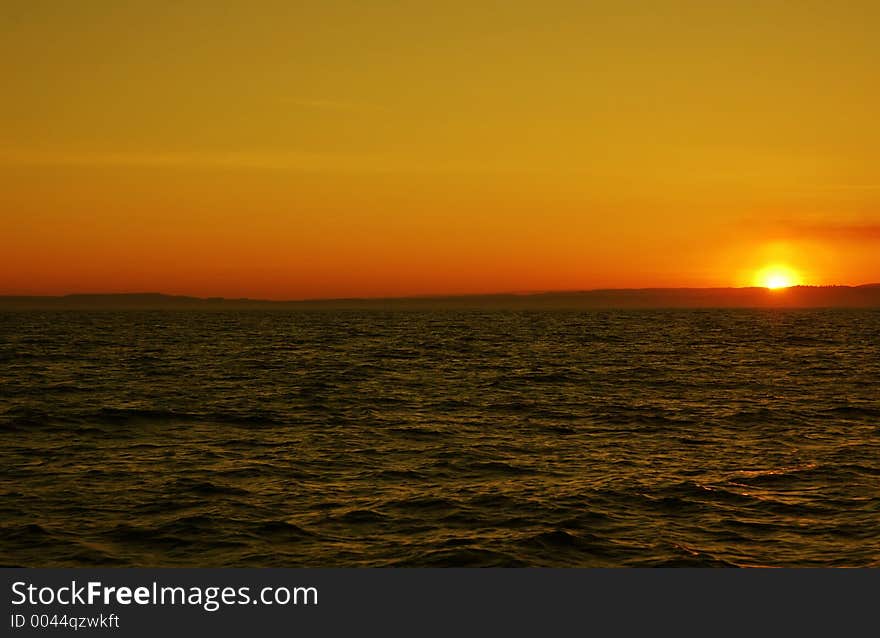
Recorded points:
(324, 149)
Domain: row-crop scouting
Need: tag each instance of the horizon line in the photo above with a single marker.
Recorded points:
(430, 296)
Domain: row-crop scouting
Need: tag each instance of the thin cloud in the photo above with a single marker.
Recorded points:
(332, 105)
(843, 231)
(379, 163)
(184, 159)
(853, 187)
(847, 231)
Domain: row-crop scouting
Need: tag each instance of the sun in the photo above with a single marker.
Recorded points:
(777, 276)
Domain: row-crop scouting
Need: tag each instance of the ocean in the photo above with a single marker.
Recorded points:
(369, 438)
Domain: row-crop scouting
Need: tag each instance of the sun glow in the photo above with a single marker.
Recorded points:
(777, 276)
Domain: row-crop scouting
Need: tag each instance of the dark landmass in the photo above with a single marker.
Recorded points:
(866, 296)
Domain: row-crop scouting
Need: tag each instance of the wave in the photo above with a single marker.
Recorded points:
(482, 439)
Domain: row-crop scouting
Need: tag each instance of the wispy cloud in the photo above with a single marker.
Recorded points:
(332, 105)
(196, 159)
(847, 231)
(816, 229)
(851, 187)
(379, 162)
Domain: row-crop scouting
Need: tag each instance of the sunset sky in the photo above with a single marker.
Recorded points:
(297, 149)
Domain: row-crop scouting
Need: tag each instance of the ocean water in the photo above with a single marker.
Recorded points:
(642, 438)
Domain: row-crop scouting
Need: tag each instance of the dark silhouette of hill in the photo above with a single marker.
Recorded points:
(865, 296)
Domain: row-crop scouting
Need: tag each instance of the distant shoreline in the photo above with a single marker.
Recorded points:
(865, 296)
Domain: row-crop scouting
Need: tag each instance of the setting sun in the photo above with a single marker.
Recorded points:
(777, 276)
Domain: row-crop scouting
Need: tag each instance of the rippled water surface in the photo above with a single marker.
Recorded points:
(504, 438)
